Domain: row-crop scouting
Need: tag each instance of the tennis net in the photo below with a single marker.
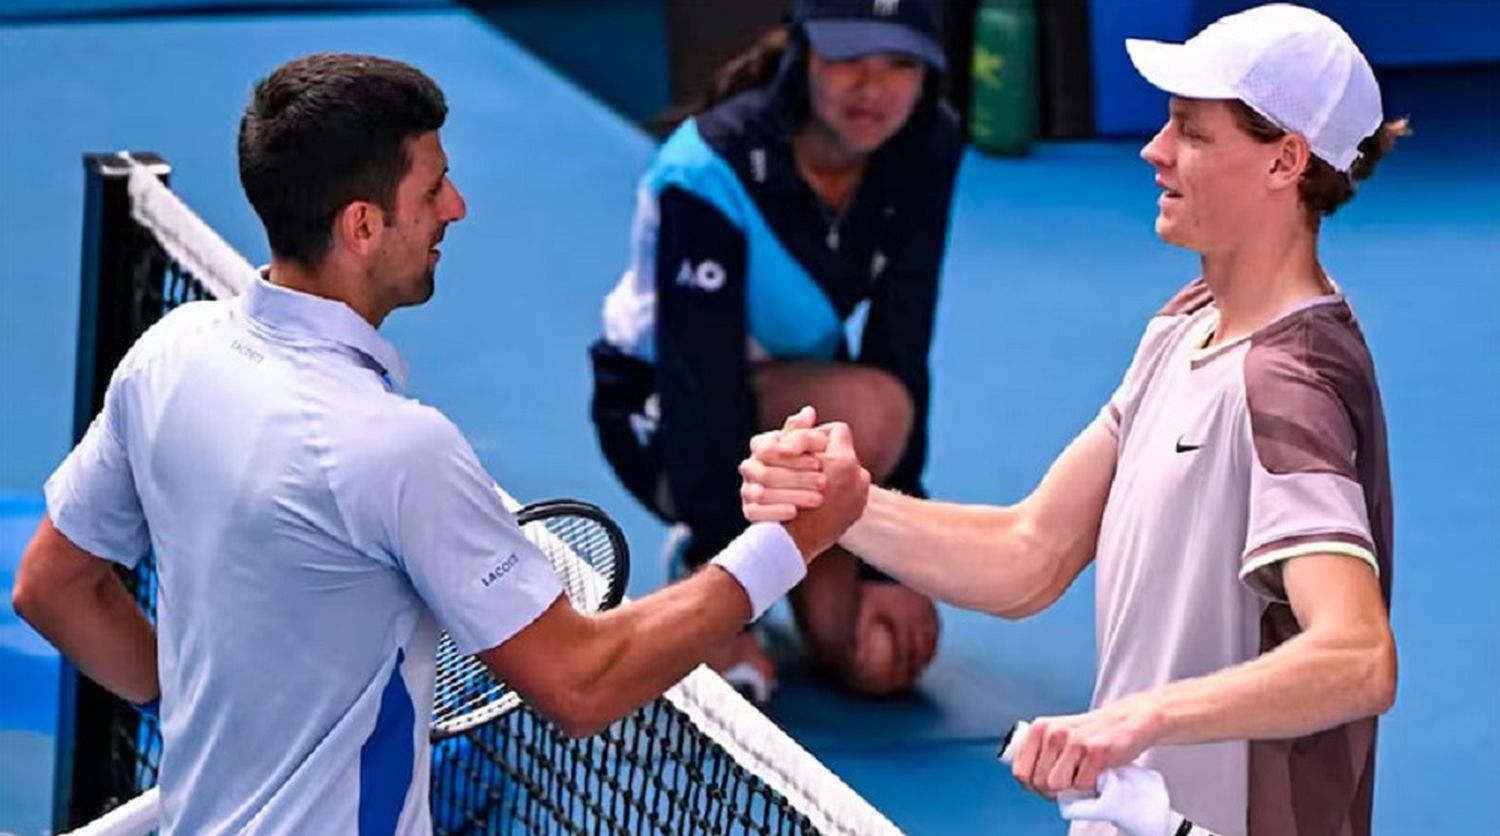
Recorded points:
(698, 760)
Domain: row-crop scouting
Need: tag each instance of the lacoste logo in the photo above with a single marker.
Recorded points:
(1186, 448)
(246, 351)
(488, 579)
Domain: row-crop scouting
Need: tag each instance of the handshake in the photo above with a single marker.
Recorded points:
(874, 636)
(807, 477)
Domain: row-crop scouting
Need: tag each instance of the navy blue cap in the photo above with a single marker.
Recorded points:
(845, 29)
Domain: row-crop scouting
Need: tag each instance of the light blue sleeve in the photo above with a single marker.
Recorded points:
(91, 497)
(416, 492)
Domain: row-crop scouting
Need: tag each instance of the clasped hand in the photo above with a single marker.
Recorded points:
(807, 477)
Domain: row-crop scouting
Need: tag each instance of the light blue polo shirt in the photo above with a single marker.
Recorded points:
(313, 529)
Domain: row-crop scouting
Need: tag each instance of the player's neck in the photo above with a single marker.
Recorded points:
(1262, 277)
(329, 281)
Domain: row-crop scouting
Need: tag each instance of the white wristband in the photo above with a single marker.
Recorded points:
(766, 562)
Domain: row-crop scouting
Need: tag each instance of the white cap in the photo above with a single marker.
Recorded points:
(1291, 65)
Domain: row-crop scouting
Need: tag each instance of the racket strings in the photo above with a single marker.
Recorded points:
(582, 550)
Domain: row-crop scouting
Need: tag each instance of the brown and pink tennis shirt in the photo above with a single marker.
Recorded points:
(1233, 460)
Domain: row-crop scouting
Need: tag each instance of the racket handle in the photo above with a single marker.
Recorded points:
(1011, 744)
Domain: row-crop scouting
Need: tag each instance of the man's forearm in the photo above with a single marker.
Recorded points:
(974, 556)
(588, 671)
(1311, 683)
(99, 628)
(1011, 561)
(650, 644)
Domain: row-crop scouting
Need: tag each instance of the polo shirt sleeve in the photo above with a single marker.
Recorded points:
(1305, 494)
(1117, 411)
(415, 495)
(91, 497)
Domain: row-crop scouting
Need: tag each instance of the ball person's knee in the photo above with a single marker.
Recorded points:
(884, 418)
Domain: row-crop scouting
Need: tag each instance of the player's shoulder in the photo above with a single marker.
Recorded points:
(1310, 391)
(392, 434)
(1173, 322)
(187, 320)
(1319, 346)
(176, 331)
(380, 455)
(1187, 301)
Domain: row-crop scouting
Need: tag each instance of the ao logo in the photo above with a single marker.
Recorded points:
(708, 276)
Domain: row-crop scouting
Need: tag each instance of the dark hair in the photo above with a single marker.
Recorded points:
(1323, 188)
(324, 131)
(756, 67)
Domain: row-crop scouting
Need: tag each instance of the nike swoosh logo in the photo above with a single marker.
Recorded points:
(1187, 448)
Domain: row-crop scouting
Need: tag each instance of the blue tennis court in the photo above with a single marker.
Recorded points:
(1052, 271)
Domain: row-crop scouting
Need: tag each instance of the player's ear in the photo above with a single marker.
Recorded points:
(357, 228)
(1289, 163)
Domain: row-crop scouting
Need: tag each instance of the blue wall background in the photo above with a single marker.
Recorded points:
(624, 63)
(1393, 34)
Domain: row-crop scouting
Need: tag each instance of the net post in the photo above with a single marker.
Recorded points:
(84, 780)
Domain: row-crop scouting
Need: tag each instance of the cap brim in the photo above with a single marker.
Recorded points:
(843, 40)
(1177, 69)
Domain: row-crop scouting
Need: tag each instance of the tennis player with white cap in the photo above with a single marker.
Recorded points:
(1233, 493)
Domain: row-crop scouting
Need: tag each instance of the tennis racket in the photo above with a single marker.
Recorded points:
(593, 562)
(592, 559)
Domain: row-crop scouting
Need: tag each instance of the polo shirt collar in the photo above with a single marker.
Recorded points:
(296, 314)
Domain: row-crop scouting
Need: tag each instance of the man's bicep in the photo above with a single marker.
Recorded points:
(1334, 590)
(537, 661)
(52, 562)
(1065, 511)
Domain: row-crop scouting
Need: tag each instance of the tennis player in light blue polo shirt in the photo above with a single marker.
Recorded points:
(315, 527)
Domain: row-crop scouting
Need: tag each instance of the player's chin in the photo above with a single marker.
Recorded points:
(1170, 232)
